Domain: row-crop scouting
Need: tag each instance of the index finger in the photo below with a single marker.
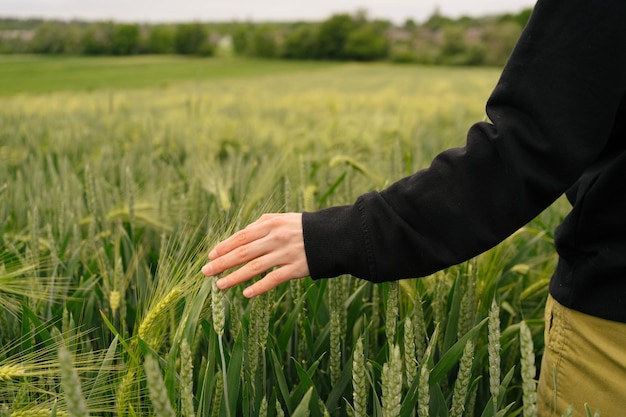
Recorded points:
(243, 237)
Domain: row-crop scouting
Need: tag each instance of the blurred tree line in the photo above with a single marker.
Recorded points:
(439, 40)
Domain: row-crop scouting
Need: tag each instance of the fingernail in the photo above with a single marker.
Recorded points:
(221, 283)
(213, 254)
(248, 292)
(207, 270)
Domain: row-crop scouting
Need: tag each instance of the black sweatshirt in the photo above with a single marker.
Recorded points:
(558, 125)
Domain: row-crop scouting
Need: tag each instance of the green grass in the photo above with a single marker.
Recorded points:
(44, 74)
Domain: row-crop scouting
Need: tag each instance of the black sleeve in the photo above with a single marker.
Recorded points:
(551, 114)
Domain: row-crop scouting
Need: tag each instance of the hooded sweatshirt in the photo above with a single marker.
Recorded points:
(557, 124)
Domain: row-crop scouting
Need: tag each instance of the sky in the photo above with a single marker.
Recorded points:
(254, 10)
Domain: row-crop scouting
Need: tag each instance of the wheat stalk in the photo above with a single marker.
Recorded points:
(468, 301)
(156, 387)
(124, 392)
(263, 407)
(439, 304)
(8, 372)
(392, 383)
(391, 312)
(423, 393)
(218, 306)
(359, 381)
(279, 409)
(335, 331)
(76, 405)
(323, 408)
(528, 371)
(376, 315)
(419, 327)
(463, 380)
(186, 380)
(410, 360)
(38, 412)
(494, 353)
(147, 326)
(217, 398)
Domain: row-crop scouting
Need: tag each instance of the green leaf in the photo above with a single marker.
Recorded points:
(302, 409)
(125, 344)
(40, 329)
(322, 200)
(306, 384)
(453, 355)
(234, 374)
(345, 379)
(277, 366)
(286, 331)
(104, 371)
(438, 405)
(452, 320)
(186, 331)
(488, 410)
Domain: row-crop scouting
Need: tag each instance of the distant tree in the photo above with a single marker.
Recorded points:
(520, 18)
(160, 40)
(301, 42)
(333, 35)
(458, 48)
(192, 39)
(366, 43)
(263, 42)
(499, 40)
(241, 34)
(453, 45)
(97, 37)
(409, 24)
(426, 46)
(51, 38)
(436, 21)
(125, 39)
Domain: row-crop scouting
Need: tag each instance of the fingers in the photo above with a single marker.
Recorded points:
(251, 233)
(250, 270)
(235, 257)
(271, 281)
(241, 247)
(273, 241)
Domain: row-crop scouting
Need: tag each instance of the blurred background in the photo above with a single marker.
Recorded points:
(447, 32)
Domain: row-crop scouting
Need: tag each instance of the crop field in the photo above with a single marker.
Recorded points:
(118, 176)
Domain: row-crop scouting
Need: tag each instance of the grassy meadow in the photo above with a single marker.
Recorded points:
(117, 175)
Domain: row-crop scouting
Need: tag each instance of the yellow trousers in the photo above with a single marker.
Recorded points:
(584, 363)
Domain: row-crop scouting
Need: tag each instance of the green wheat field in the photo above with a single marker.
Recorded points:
(118, 175)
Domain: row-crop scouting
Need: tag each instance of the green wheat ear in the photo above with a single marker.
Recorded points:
(392, 311)
(423, 397)
(529, 386)
(70, 382)
(410, 359)
(279, 409)
(359, 380)
(461, 386)
(148, 325)
(494, 353)
(392, 383)
(186, 380)
(263, 407)
(158, 392)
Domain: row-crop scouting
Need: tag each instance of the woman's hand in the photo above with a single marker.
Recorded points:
(273, 241)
